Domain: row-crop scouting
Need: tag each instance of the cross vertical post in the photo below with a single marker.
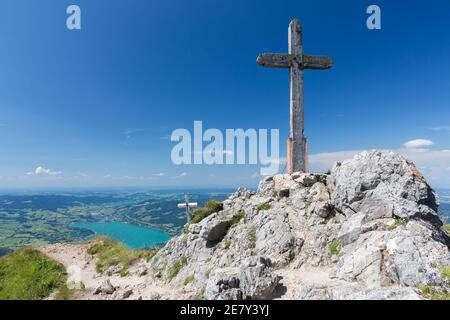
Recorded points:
(296, 61)
(296, 140)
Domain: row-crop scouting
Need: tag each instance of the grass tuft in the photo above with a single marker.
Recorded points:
(445, 272)
(110, 253)
(399, 222)
(447, 228)
(176, 267)
(264, 206)
(335, 246)
(251, 236)
(212, 206)
(189, 279)
(431, 293)
(237, 218)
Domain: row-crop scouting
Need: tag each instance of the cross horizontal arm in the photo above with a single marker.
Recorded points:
(316, 62)
(275, 60)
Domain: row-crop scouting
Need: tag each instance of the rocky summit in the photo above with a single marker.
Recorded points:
(367, 230)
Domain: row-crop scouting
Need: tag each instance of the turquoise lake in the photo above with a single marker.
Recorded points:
(131, 235)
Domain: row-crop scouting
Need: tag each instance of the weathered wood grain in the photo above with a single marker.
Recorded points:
(296, 62)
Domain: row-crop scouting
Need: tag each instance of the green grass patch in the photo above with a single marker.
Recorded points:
(445, 272)
(212, 206)
(176, 267)
(27, 274)
(226, 244)
(335, 246)
(237, 218)
(251, 236)
(110, 253)
(188, 279)
(66, 293)
(200, 294)
(429, 292)
(398, 222)
(447, 228)
(264, 206)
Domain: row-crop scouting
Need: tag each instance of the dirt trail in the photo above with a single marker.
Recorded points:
(294, 279)
(81, 267)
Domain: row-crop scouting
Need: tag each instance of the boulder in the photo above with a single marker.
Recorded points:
(256, 279)
(105, 288)
(215, 227)
(252, 280)
(386, 178)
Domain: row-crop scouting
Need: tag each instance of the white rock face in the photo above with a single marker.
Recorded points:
(382, 184)
(372, 222)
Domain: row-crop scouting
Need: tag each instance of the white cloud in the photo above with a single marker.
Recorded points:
(418, 145)
(44, 171)
(161, 174)
(181, 175)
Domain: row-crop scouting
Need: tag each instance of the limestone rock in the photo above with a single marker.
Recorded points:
(257, 281)
(215, 227)
(375, 177)
(253, 280)
(105, 288)
(371, 223)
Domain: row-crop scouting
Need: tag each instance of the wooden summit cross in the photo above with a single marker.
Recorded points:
(296, 61)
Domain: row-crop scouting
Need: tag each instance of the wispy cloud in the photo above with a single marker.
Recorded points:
(161, 174)
(133, 132)
(182, 175)
(441, 128)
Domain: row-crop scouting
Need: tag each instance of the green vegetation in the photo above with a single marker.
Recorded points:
(226, 244)
(398, 222)
(251, 236)
(200, 294)
(110, 253)
(335, 246)
(264, 206)
(27, 274)
(212, 206)
(237, 218)
(445, 272)
(66, 293)
(447, 227)
(176, 267)
(188, 279)
(208, 272)
(431, 293)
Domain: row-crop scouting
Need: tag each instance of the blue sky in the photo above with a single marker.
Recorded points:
(95, 107)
